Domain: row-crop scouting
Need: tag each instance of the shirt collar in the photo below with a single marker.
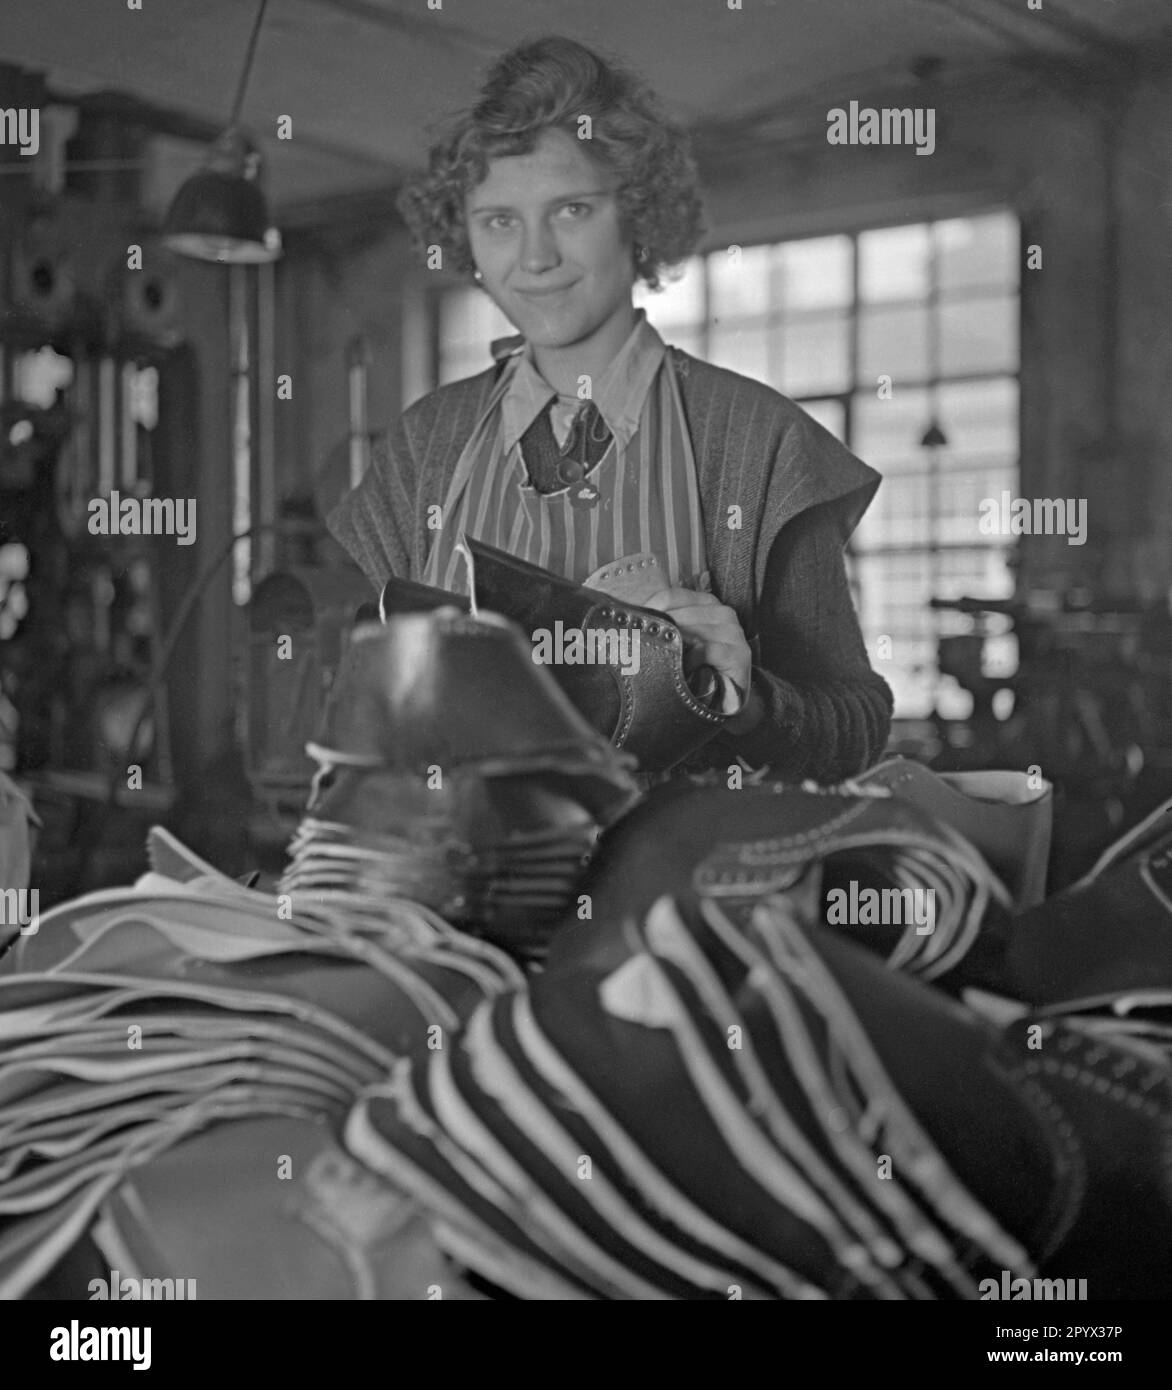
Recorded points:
(619, 394)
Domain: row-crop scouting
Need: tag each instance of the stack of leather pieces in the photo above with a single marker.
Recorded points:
(1108, 933)
(700, 839)
(1008, 816)
(141, 1026)
(454, 773)
(706, 1093)
(714, 1118)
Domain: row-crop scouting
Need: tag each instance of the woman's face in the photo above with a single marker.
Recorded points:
(545, 233)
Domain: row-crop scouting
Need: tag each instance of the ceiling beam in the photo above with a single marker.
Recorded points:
(182, 125)
(437, 29)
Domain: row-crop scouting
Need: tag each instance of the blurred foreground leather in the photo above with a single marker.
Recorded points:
(1000, 813)
(1110, 931)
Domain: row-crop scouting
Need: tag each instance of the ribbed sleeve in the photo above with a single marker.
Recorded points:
(827, 713)
(781, 498)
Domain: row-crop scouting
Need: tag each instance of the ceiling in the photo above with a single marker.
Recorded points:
(364, 79)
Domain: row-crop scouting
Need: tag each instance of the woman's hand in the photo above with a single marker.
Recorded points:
(712, 635)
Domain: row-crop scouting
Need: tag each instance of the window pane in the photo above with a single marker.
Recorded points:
(978, 252)
(815, 274)
(978, 335)
(815, 355)
(980, 419)
(888, 433)
(960, 493)
(983, 572)
(679, 302)
(894, 263)
(900, 513)
(738, 285)
(741, 350)
(894, 590)
(893, 342)
(830, 414)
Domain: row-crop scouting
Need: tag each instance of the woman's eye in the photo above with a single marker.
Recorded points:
(576, 210)
(498, 222)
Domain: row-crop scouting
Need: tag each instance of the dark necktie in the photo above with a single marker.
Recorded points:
(551, 469)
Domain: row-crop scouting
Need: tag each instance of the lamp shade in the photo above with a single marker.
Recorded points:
(221, 217)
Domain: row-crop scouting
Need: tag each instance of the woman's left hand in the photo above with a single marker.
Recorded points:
(711, 631)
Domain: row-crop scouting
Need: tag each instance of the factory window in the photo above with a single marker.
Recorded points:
(903, 341)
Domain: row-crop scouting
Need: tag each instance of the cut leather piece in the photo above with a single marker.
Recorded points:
(326, 977)
(544, 1159)
(944, 1070)
(157, 1021)
(109, 1060)
(1006, 819)
(1142, 1018)
(31, 1245)
(650, 712)
(384, 1133)
(542, 1217)
(327, 1231)
(688, 1255)
(363, 994)
(1114, 1098)
(700, 1144)
(714, 972)
(481, 1201)
(795, 1120)
(697, 842)
(752, 1220)
(579, 1108)
(29, 1249)
(633, 578)
(238, 1013)
(1109, 932)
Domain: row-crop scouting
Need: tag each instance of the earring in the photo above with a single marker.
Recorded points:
(642, 255)
(476, 275)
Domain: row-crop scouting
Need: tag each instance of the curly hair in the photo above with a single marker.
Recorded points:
(551, 83)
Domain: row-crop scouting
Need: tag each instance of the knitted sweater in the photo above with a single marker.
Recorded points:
(780, 497)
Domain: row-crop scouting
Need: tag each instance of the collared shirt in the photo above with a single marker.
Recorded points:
(619, 393)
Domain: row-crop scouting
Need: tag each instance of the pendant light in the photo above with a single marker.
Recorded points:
(220, 214)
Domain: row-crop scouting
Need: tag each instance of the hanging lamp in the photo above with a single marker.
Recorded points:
(220, 213)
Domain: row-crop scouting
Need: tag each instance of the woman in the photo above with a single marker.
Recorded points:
(590, 442)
